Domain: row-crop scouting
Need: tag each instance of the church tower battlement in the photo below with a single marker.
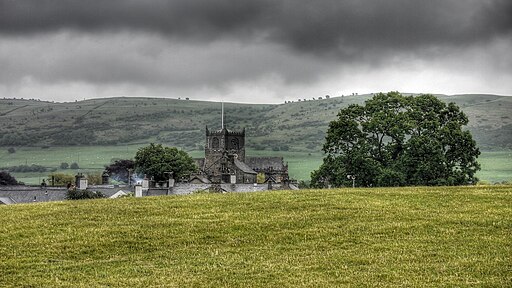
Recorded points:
(224, 141)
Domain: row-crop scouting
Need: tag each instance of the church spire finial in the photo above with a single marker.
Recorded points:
(222, 121)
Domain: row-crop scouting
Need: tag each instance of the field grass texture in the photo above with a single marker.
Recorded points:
(437, 237)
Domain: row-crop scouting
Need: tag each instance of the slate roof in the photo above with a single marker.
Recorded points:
(188, 188)
(29, 194)
(243, 187)
(200, 178)
(6, 201)
(26, 194)
(293, 187)
(119, 194)
(264, 163)
(242, 166)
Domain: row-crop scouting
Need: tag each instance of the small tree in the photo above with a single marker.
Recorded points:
(60, 179)
(118, 170)
(11, 150)
(7, 179)
(94, 178)
(64, 165)
(156, 160)
(74, 165)
(260, 178)
(75, 194)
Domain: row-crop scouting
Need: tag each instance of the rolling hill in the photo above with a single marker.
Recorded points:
(297, 126)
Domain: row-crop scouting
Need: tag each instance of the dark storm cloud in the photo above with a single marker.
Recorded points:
(342, 28)
(176, 18)
(261, 49)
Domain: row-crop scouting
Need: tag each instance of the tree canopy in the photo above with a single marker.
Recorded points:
(118, 170)
(61, 179)
(7, 179)
(396, 140)
(155, 160)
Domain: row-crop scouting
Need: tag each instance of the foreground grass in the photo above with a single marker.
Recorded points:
(351, 237)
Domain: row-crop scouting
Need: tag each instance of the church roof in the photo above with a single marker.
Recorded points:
(199, 178)
(242, 166)
(263, 163)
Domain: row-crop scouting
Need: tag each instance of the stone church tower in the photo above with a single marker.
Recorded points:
(225, 141)
(222, 149)
(224, 160)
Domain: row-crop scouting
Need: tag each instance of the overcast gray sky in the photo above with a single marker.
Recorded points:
(253, 51)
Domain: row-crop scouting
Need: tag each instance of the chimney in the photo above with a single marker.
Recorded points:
(105, 178)
(80, 181)
(138, 190)
(145, 184)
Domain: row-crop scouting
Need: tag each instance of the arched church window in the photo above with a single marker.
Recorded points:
(235, 143)
(215, 142)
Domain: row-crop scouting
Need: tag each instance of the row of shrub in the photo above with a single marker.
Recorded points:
(65, 165)
(25, 168)
(75, 194)
(38, 168)
(63, 179)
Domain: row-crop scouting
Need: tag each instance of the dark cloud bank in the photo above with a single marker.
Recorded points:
(313, 26)
(332, 32)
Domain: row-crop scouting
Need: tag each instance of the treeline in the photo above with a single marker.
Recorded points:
(39, 168)
(26, 168)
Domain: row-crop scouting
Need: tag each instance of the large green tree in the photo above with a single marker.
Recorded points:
(396, 140)
(155, 160)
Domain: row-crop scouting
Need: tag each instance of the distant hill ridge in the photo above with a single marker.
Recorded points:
(296, 126)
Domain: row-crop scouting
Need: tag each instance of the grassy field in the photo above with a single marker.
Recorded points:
(408, 237)
(496, 165)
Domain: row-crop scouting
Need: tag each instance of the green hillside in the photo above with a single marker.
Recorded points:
(93, 132)
(298, 126)
(408, 237)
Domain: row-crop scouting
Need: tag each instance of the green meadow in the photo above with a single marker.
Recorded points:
(95, 131)
(496, 165)
(393, 237)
